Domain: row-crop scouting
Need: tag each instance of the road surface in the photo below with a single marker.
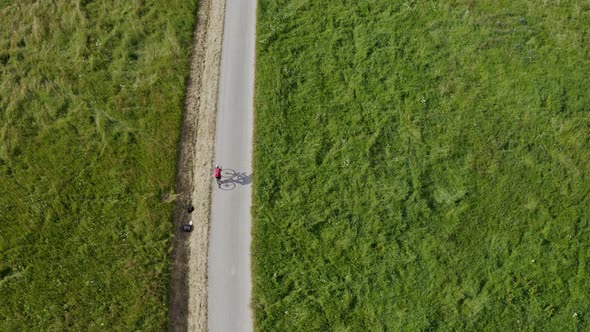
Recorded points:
(229, 243)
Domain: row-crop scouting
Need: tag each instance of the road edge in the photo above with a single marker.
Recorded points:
(188, 288)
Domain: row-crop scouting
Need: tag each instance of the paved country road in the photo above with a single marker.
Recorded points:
(229, 276)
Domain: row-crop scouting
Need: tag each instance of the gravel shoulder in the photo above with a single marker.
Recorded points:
(188, 288)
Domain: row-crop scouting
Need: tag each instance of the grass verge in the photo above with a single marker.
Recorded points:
(91, 100)
(422, 166)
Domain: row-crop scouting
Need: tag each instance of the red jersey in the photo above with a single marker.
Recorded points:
(217, 172)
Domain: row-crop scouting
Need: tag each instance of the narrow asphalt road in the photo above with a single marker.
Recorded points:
(229, 243)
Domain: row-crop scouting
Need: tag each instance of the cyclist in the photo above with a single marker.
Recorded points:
(217, 173)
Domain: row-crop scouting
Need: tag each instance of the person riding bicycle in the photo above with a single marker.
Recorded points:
(217, 173)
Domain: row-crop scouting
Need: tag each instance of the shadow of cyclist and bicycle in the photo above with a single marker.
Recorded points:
(230, 179)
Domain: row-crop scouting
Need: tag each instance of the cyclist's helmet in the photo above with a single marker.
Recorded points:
(216, 166)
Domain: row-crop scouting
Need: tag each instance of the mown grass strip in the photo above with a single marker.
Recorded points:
(422, 166)
(91, 99)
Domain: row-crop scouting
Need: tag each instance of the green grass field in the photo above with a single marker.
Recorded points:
(91, 98)
(422, 165)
